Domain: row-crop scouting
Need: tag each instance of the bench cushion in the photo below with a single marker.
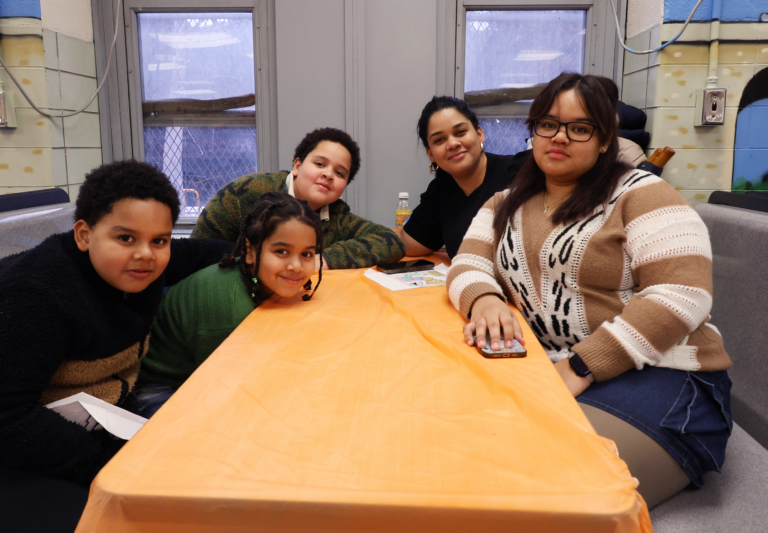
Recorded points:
(731, 502)
(740, 307)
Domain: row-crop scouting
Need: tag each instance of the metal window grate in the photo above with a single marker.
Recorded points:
(504, 136)
(200, 159)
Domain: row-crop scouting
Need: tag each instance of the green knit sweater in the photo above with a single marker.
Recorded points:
(195, 317)
(349, 241)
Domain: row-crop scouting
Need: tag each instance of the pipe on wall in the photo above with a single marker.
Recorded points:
(714, 43)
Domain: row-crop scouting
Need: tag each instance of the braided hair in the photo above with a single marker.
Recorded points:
(271, 210)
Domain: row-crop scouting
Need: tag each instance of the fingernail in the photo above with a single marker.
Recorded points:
(495, 345)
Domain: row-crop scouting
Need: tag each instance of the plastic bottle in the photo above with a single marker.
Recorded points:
(403, 212)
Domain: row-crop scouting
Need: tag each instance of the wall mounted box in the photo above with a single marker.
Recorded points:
(7, 110)
(710, 107)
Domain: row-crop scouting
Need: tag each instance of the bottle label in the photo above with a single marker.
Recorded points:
(401, 218)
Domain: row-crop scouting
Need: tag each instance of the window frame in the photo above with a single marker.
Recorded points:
(120, 101)
(603, 56)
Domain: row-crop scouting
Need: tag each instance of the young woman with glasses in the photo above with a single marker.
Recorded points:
(612, 270)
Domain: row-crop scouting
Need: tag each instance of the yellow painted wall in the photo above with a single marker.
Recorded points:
(26, 156)
(58, 72)
(664, 85)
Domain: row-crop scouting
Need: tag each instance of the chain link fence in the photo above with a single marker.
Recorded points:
(200, 160)
(504, 136)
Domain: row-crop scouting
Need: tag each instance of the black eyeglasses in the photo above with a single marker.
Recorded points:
(575, 131)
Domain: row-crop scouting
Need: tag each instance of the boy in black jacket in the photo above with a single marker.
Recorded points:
(75, 315)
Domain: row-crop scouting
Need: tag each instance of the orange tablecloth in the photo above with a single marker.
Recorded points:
(363, 410)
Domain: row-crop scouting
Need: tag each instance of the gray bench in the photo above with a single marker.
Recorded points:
(26, 228)
(735, 501)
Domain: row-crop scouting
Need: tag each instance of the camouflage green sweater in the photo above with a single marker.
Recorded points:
(349, 241)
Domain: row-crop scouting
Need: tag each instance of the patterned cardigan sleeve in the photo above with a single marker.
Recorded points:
(665, 322)
(472, 273)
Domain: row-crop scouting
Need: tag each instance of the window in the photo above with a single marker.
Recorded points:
(505, 54)
(198, 100)
(198, 80)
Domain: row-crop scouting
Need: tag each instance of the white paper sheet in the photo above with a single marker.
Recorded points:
(409, 280)
(93, 413)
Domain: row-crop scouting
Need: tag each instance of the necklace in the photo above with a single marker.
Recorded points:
(546, 205)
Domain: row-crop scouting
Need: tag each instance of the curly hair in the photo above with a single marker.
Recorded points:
(439, 103)
(269, 212)
(315, 137)
(110, 183)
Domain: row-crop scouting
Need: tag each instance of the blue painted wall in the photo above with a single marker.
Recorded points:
(732, 10)
(750, 154)
(20, 8)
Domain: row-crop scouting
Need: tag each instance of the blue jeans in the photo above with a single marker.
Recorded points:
(687, 413)
(144, 400)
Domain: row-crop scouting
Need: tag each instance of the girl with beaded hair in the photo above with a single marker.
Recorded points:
(273, 259)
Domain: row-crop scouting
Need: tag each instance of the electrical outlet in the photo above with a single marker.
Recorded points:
(710, 107)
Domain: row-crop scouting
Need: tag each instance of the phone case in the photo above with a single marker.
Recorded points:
(409, 266)
(517, 351)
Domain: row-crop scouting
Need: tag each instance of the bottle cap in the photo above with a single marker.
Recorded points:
(403, 195)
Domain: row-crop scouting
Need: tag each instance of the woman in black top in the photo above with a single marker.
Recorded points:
(466, 177)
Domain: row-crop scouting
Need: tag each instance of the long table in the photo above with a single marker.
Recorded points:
(364, 410)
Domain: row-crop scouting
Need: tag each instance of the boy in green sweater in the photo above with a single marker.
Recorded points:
(274, 259)
(325, 162)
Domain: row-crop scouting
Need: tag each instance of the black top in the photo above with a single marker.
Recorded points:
(445, 212)
(632, 124)
(61, 322)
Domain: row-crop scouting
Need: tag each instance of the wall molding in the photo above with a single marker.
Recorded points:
(354, 73)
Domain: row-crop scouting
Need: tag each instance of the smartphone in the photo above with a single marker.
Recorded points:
(517, 349)
(407, 266)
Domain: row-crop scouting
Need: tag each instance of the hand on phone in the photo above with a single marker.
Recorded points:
(490, 314)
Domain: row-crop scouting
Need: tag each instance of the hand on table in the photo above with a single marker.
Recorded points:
(575, 383)
(489, 313)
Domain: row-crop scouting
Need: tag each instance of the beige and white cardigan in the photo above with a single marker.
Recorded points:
(628, 286)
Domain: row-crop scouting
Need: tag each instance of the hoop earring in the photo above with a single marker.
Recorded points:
(433, 166)
(482, 147)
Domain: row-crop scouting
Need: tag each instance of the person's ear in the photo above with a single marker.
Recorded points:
(429, 154)
(83, 235)
(604, 144)
(296, 165)
(250, 253)
(481, 134)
